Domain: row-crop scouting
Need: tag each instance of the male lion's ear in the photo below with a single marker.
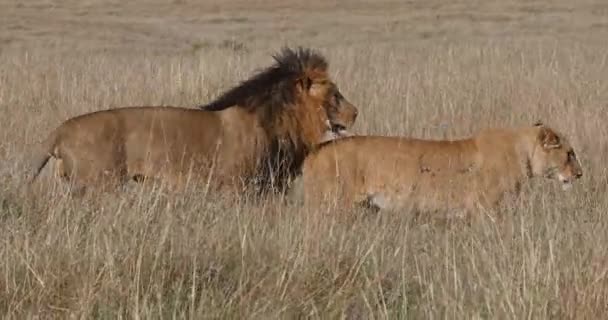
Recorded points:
(549, 139)
(319, 88)
(303, 84)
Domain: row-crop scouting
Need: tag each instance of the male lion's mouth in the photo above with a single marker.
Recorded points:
(335, 131)
(340, 130)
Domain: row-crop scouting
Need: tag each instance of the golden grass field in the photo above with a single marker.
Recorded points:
(435, 69)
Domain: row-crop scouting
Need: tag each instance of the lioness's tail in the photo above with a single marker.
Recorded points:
(40, 156)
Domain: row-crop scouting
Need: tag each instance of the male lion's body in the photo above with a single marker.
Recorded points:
(426, 175)
(156, 142)
(257, 133)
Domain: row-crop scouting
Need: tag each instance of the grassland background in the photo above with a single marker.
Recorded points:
(422, 68)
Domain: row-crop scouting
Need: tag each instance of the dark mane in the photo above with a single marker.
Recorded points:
(274, 87)
(269, 93)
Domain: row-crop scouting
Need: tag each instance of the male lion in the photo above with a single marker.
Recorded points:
(427, 175)
(255, 134)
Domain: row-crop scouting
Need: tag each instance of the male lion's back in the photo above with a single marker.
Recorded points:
(136, 140)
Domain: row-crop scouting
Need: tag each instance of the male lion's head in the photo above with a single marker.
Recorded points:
(320, 110)
(554, 157)
(295, 99)
(324, 99)
(342, 114)
(296, 104)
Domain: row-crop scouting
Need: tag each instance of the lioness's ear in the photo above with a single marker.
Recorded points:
(549, 139)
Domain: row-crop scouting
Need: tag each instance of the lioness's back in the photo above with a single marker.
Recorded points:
(355, 168)
(427, 174)
(357, 150)
(433, 175)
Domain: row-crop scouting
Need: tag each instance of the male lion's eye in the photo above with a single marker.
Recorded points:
(337, 97)
(571, 155)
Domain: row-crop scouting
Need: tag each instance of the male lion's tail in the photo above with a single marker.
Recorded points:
(40, 156)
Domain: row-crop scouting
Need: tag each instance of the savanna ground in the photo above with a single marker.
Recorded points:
(422, 68)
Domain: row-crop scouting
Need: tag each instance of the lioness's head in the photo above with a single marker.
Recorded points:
(554, 158)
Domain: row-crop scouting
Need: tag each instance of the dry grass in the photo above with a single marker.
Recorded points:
(419, 68)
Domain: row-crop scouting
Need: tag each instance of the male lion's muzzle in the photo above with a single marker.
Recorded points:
(343, 118)
(335, 131)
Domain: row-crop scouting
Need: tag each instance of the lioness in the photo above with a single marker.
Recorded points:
(255, 134)
(427, 175)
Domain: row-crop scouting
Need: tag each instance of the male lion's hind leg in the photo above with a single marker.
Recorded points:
(64, 172)
(161, 183)
(90, 178)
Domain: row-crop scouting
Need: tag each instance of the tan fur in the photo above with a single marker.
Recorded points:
(424, 175)
(256, 134)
